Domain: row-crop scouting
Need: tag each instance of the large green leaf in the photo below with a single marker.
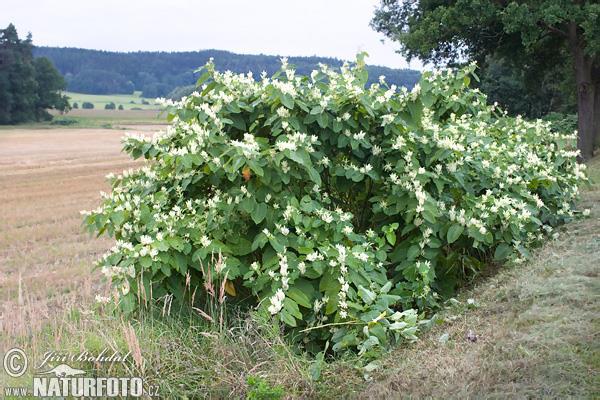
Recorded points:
(454, 233)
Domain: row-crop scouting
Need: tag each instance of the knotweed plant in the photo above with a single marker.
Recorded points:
(344, 211)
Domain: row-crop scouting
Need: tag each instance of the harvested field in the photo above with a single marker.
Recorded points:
(46, 178)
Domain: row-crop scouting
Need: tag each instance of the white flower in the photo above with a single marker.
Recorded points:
(284, 62)
(277, 302)
(327, 217)
(586, 212)
(324, 161)
(205, 241)
(282, 146)
(312, 257)
(302, 267)
(318, 305)
(364, 257)
(248, 146)
(387, 119)
(359, 136)
(145, 240)
(283, 112)
(267, 233)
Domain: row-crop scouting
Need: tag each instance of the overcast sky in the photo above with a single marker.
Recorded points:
(336, 28)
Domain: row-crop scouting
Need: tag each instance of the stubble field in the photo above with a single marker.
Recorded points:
(46, 177)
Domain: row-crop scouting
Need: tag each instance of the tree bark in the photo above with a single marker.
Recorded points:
(585, 95)
(597, 109)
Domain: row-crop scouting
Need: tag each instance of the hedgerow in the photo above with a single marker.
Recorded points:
(344, 211)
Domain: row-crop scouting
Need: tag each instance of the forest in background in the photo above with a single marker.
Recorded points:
(158, 73)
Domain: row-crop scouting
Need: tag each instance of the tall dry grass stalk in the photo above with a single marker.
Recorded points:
(215, 288)
(134, 346)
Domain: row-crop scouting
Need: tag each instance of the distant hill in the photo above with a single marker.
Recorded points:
(157, 73)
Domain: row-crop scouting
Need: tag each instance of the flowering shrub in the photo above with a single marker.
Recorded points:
(341, 210)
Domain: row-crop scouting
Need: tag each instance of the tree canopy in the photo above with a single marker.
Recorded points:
(537, 38)
(28, 86)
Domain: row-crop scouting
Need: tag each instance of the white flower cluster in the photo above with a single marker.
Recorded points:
(249, 146)
(343, 279)
(277, 302)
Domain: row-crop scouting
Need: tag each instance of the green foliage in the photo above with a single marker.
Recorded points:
(525, 90)
(28, 87)
(259, 389)
(121, 107)
(342, 211)
(110, 106)
(474, 29)
(87, 105)
(75, 106)
(559, 122)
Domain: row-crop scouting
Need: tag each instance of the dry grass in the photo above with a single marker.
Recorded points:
(537, 326)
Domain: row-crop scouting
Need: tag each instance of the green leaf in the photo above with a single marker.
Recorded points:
(128, 303)
(413, 252)
(314, 175)
(502, 251)
(287, 101)
(286, 318)
(259, 213)
(181, 262)
(118, 217)
(317, 365)
(316, 110)
(454, 233)
(391, 237)
(277, 246)
(367, 295)
(299, 297)
(248, 204)
(290, 306)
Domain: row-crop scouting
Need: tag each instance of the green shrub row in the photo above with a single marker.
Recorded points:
(342, 210)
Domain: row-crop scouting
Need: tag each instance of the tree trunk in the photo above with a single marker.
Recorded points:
(585, 95)
(597, 109)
